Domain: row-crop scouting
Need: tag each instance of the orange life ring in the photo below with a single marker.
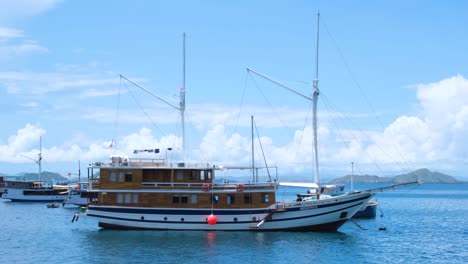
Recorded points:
(206, 187)
(240, 187)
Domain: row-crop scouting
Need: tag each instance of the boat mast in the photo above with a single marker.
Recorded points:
(316, 93)
(352, 176)
(181, 106)
(253, 153)
(182, 100)
(79, 171)
(39, 160)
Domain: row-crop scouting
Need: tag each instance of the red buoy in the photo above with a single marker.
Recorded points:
(212, 219)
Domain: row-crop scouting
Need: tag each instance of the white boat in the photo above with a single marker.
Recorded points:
(369, 210)
(79, 196)
(34, 191)
(2, 184)
(156, 195)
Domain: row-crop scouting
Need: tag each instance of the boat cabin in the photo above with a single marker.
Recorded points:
(153, 183)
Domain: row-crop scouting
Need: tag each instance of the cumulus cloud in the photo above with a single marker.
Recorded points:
(435, 137)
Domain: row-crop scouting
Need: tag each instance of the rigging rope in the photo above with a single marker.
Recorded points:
(143, 110)
(358, 224)
(278, 116)
(356, 83)
(116, 122)
(263, 153)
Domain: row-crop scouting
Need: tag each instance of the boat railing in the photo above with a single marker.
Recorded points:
(148, 162)
(94, 183)
(208, 186)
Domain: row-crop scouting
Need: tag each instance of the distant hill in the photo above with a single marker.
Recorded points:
(45, 176)
(424, 175)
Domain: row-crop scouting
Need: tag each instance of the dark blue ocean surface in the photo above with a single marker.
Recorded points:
(425, 224)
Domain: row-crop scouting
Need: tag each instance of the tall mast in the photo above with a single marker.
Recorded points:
(316, 93)
(79, 171)
(253, 152)
(39, 160)
(182, 100)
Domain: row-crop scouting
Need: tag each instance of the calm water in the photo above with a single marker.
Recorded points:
(425, 224)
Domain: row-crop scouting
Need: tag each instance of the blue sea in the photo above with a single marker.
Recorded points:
(424, 224)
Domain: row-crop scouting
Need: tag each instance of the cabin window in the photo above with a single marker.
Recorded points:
(128, 198)
(175, 198)
(194, 174)
(112, 176)
(128, 177)
(193, 198)
(180, 175)
(215, 199)
(209, 175)
(119, 198)
(266, 198)
(184, 198)
(202, 176)
(121, 176)
(247, 199)
(230, 199)
(135, 198)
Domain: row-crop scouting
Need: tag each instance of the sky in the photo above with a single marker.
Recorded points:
(392, 79)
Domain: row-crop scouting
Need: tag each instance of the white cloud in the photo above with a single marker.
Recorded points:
(13, 44)
(8, 51)
(21, 144)
(435, 138)
(13, 41)
(16, 10)
(46, 82)
(7, 33)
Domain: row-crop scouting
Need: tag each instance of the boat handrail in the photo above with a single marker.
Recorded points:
(214, 186)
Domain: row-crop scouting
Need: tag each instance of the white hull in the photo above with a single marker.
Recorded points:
(32, 195)
(317, 215)
(76, 198)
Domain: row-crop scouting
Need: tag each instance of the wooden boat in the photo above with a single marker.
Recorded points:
(150, 194)
(156, 195)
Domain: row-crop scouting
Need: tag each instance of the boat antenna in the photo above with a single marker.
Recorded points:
(352, 176)
(315, 95)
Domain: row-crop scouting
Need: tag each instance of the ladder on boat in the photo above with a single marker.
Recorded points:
(267, 217)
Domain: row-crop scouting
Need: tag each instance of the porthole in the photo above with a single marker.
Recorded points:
(254, 218)
(165, 218)
(142, 218)
(182, 219)
(235, 219)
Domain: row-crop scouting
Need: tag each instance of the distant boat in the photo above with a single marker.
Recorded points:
(34, 191)
(369, 210)
(2, 185)
(79, 196)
